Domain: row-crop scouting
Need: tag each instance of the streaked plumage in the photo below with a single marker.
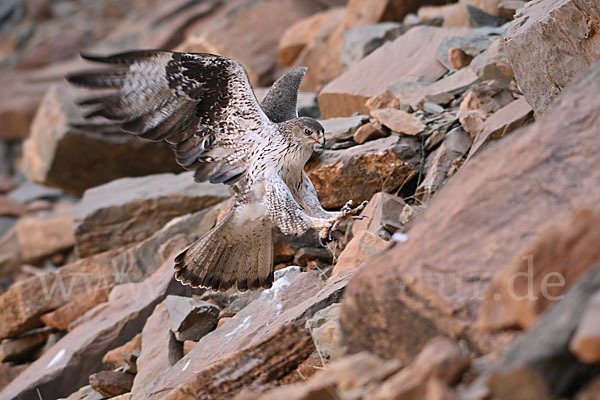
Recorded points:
(204, 106)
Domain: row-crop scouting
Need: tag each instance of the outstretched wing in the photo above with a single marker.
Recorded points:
(202, 104)
(281, 101)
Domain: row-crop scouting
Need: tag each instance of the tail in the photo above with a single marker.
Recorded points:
(238, 251)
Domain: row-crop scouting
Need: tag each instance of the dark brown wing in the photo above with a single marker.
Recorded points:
(202, 104)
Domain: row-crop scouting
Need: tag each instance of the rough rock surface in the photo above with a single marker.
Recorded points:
(429, 269)
(382, 215)
(552, 24)
(58, 131)
(191, 319)
(359, 172)
(129, 210)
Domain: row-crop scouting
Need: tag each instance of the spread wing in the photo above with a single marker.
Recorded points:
(281, 101)
(201, 104)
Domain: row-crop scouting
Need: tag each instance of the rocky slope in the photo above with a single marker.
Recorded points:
(472, 128)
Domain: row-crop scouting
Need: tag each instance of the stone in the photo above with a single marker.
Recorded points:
(585, 343)
(238, 301)
(249, 32)
(486, 97)
(191, 319)
(590, 391)
(501, 123)
(410, 57)
(470, 46)
(189, 345)
(458, 59)
(261, 363)
(440, 92)
(543, 271)
(67, 365)
(493, 64)
(478, 18)
(325, 331)
(434, 283)
(455, 146)
(11, 208)
(399, 121)
(63, 316)
(303, 34)
(363, 246)
(382, 215)
(129, 210)
(555, 24)
(339, 131)
(59, 131)
(160, 349)
(28, 192)
(9, 371)
(19, 348)
(115, 358)
(383, 100)
(359, 172)
(85, 393)
(533, 360)
(111, 383)
(508, 8)
(471, 121)
(357, 41)
(370, 131)
(292, 299)
(453, 15)
(307, 254)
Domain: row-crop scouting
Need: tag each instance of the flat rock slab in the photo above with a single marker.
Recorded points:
(129, 210)
(410, 57)
(292, 299)
(435, 281)
(568, 25)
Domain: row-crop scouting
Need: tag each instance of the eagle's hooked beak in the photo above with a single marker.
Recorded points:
(321, 139)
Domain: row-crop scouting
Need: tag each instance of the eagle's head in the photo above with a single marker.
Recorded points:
(306, 131)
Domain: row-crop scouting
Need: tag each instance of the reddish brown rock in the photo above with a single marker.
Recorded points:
(554, 24)
(63, 316)
(501, 123)
(382, 215)
(160, 350)
(585, 344)
(458, 59)
(59, 131)
(399, 121)
(9, 371)
(434, 282)
(129, 210)
(115, 358)
(543, 271)
(190, 319)
(368, 132)
(11, 208)
(409, 57)
(19, 348)
(486, 97)
(65, 367)
(383, 100)
(359, 172)
(493, 63)
(111, 383)
(360, 249)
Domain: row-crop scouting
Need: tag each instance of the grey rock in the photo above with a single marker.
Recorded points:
(478, 17)
(340, 131)
(29, 191)
(493, 64)
(471, 45)
(191, 319)
(360, 41)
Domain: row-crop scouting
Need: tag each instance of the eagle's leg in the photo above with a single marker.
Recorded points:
(345, 212)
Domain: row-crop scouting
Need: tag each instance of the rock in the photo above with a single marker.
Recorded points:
(249, 32)
(19, 348)
(543, 271)
(478, 17)
(191, 319)
(406, 58)
(471, 121)
(487, 97)
(508, 8)
(434, 283)
(358, 251)
(303, 34)
(554, 24)
(454, 147)
(370, 131)
(493, 64)
(470, 46)
(261, 363)
(383, 100)
(501, 123)
(453, 15)
(63, 316)
(339, 132)
(307, 254)
(25, 301)
(67, 365)
(189, 345)
(9, 371)
(11, 208)
(585, 343)
(357, 41)
(115, 358)
(361, 171)
(111, 383)
(238, 301)
(458, 59)
(591, 391)
(28, 192)
(325, 331)
(399, 121)
(58, 131)
(440, 92)
(541, 354)
(129, 210)
(382, 215)
(290, 300)
(160, 349)
(86, 393)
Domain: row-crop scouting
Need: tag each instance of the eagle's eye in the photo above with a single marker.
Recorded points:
(307, 132)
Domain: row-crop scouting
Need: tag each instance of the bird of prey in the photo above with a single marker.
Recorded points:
(204, 106)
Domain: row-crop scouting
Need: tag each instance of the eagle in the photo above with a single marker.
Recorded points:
(203, 105)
